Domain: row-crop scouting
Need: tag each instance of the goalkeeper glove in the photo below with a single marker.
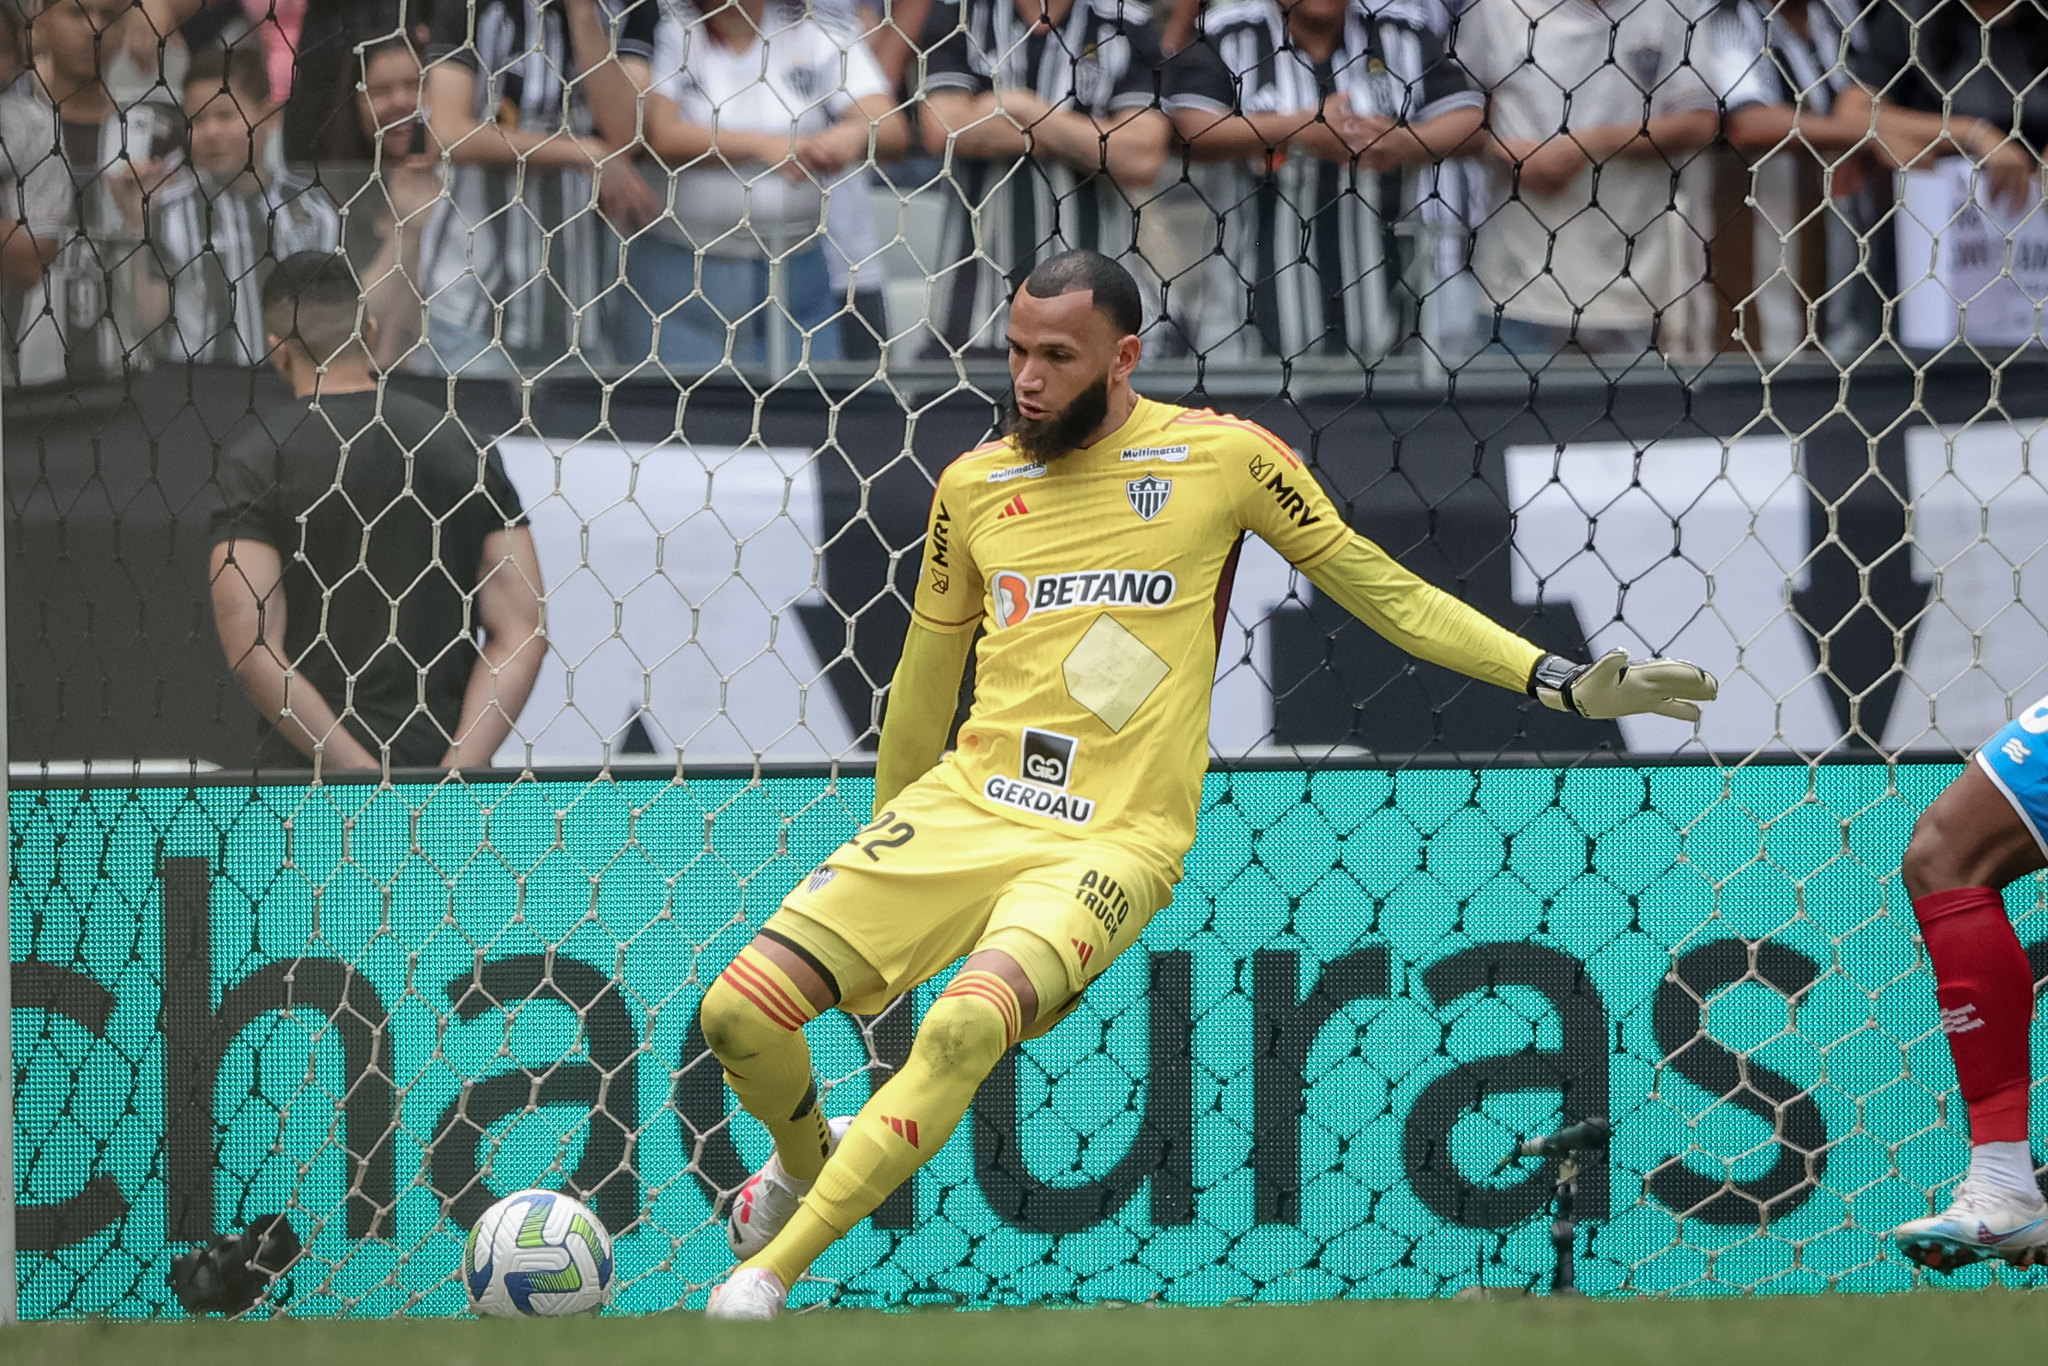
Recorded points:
(1611, 686)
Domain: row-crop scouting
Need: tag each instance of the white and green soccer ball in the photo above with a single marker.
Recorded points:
(537, 1254)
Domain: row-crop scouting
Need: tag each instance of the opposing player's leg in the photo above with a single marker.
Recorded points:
(1978, 835)
(1052, 931)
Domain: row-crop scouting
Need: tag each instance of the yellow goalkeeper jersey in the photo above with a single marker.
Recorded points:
(1102, 579)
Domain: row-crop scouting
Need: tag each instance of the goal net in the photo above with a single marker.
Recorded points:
(1741, 366)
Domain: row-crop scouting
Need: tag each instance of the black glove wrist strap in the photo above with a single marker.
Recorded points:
(1553, 675)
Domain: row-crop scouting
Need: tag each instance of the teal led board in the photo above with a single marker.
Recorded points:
(372, 1009)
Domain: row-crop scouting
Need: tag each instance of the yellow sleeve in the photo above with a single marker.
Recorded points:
(926, 688)
(949, 586)
(1279, 499)
(1421, 618)
(922, 698)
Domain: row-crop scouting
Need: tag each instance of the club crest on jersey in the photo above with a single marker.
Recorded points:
(1097, 71)
(1014, 597)
(1148, 495)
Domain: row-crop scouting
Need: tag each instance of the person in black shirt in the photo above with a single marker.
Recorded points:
(1954, 77)
(357, 555)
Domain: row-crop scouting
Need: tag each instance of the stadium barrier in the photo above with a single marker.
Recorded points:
(1760, 527)
(371, 1007)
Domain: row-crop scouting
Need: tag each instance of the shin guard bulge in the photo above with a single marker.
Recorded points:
(753, 1018)
(1985, 988)
(965, 1033)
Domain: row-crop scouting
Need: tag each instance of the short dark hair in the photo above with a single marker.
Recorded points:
(1116, 293)
(340, 135)
(312, 298)
(238, 69)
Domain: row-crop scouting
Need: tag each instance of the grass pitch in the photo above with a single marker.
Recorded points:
(1852, 1330)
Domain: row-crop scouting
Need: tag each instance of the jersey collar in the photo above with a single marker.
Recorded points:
(1116, 438)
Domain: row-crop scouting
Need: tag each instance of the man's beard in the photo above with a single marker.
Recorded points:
(1046, 439)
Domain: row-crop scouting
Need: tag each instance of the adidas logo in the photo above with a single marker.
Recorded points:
(906, 1129)
(1014, 508)
(1083, 951)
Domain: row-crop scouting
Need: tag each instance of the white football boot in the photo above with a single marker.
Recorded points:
(1981, 1221)
(765, 1203)
(748, 1297)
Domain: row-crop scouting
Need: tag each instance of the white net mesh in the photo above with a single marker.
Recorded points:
(1709, 332)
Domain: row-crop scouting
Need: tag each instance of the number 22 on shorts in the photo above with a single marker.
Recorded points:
(884, 832)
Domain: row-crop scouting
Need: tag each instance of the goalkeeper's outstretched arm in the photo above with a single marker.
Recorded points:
(1431, 624)
(1279, 500)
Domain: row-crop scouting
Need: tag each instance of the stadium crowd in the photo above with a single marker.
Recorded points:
(521, 185)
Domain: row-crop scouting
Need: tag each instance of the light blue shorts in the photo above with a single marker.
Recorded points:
(2017, 760)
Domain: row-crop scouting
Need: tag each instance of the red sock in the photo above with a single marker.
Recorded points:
(1986, 991)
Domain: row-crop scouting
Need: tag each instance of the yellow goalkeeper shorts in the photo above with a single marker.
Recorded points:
(935, 877)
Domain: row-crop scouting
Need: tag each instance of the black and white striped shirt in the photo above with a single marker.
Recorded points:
(1758, 57)
(77, 322)
(1306, 267)
(216, 247)
(1001, 217)
(500, 229)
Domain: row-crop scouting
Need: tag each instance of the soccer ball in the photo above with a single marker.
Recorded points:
(537, 1254)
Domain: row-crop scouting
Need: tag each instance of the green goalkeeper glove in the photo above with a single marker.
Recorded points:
(1611, 686)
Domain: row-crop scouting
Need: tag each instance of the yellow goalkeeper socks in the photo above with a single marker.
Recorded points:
(965, 1033)
(753, 1018)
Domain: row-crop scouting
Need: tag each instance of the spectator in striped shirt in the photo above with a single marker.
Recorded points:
(218, 226)
(516, 97)
(1778, 69)
(70, 150)
(1316, 108)
(1054, 115)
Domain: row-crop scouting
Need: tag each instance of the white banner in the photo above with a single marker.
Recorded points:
(1699, 550)
(674, 575)
(1969, 265)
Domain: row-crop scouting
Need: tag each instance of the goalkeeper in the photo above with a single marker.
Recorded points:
(1095, 546)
